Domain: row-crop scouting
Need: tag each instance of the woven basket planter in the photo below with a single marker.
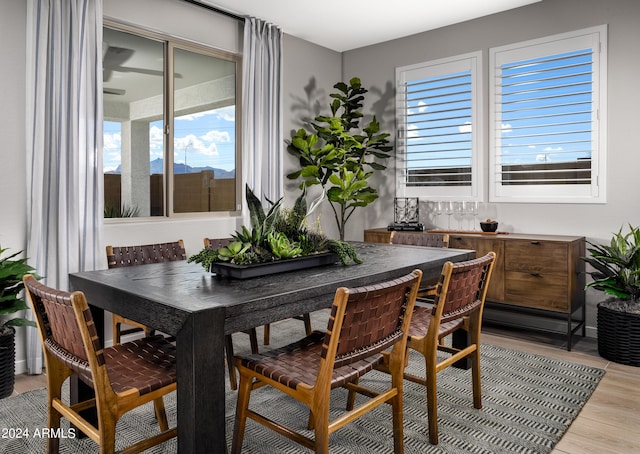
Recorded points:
(619, 336)
(7, 363)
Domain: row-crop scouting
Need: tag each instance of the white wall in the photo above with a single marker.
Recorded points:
(13, 190)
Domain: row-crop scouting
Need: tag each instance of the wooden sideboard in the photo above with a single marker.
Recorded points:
(539, 275)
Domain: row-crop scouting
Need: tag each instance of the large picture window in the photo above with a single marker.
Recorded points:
(548, 121)
(439, 138)
(171, 134)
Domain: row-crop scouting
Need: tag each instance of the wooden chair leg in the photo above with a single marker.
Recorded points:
(397, 381)
(241, 414)
(116, 332)
(233, 381)
(253, 339)
(432, 403)
(321, 428)
(161, 414)
(475, 379)
(107, 437)
(267, 335)
(306, 318)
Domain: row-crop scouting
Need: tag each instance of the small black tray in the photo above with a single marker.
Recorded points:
(233, 271)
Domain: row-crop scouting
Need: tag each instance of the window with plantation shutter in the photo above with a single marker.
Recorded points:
(548, 121)
(439, 128)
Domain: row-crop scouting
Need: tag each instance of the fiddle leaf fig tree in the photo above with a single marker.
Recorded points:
(340, 155)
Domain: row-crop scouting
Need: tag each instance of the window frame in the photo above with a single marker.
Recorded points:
(595, 192)
(170, 43)
(443, 66)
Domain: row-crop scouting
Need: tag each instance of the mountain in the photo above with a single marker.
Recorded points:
(157, 166)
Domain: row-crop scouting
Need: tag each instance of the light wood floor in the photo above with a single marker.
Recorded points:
(608, 423)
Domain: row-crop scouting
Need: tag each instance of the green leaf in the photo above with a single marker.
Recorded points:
(20, 322)
(310, 171)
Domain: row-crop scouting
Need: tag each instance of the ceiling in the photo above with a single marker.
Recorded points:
(343, 25)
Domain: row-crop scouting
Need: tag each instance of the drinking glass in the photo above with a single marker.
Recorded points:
(458, 211)
(473, 209)
(447, 208)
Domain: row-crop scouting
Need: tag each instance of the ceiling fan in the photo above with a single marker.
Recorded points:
(114, 59)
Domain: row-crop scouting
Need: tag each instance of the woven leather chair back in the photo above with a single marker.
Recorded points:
(60, 329)
(149, 253)
(215, 243)
(370, 319)
(462, 287)
(420, 239)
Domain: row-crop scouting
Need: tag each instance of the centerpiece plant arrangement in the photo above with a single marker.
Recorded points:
(276, 233)
(338, 153)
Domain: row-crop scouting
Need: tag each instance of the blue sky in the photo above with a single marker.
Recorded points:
(204, 138)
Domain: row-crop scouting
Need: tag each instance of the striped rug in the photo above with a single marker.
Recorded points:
(529, 402)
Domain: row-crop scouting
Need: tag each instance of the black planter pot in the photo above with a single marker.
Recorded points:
(618, 335)
(7, 363)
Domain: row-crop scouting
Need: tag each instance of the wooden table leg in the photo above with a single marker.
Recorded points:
(201, 384)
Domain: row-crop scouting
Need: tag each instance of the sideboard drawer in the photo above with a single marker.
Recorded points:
(536, 256)
(537, 290)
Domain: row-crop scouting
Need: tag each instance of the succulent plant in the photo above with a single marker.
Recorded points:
(277, 234)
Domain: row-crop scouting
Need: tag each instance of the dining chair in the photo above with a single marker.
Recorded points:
(367, 327)
(214, 243)
(458, 305)
(121, 256)
(123, 377)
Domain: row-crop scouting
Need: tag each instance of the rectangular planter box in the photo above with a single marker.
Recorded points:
(233, 271)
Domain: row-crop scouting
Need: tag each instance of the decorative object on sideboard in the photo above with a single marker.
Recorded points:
(11, 273)
(340, 155)
(406, 215)
(276, 236)
(489, 225)
(616, 272)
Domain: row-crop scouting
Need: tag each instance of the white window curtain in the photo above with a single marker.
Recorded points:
(262, 138)
(64, 144)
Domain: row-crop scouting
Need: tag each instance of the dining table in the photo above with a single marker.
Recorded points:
(199, 308)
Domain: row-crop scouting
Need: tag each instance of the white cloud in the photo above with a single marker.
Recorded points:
(156, 143)
(216, 136)
(423, 107)
(411, 133)
(112, 141)
(506, 128)
(191, 145)
(227, 113)
(467, 127)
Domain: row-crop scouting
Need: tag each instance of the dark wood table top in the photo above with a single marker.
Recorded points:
(167, 293)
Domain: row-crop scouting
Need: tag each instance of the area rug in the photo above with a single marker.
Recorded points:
(529, 401)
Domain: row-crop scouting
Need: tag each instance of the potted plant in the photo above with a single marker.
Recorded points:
(274, 236)
(11, 273)
(616, 272)
(339, 154)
